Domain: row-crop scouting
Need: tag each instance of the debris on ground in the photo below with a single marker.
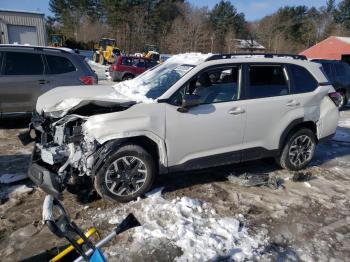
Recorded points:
(257, 180)
(302, 176)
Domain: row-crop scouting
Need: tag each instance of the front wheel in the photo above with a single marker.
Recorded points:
(298, 150)
(127, 174)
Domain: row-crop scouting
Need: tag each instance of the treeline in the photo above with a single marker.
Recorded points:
(176, 26)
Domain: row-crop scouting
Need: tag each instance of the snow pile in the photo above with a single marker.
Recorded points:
(194, 227)
(92, 63)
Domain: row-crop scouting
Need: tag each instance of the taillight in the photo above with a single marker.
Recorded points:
(88, 80)
(115, 67)
(336, 98)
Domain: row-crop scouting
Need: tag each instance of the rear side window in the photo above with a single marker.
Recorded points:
(139, 63)
(150, 63)
(127, 61)
(59, 64)
(302, 80)
(341, 70)
(17, 63)
(267, 81)
(327, 67)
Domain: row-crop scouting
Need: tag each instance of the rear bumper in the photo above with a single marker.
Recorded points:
(115, 75)
(48, 181)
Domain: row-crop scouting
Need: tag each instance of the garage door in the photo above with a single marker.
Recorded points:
(22, 34)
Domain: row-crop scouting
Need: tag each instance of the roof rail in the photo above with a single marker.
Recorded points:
(38, 48)
(266, 55)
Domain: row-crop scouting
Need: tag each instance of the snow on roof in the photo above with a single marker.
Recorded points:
(246, 44)
(344, 39)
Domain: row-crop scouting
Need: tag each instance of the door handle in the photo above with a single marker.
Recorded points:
(293, 103)
(43, 82)
(236, 111)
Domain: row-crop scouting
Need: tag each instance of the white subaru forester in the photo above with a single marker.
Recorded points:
(192, 112)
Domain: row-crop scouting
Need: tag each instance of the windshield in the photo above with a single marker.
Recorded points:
(153, 83)
(166, 77)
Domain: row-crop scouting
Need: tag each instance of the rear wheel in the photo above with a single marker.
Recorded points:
(102, 59)
(298, 150)
(344, 99)
(127, 174)
(95, 57)
(128, 77)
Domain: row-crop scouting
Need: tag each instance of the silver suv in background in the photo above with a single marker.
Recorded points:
(26, 72)
(193, 111)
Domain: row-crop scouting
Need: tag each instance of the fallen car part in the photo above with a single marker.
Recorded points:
(262, 179)
(302, 176)
(58, 221)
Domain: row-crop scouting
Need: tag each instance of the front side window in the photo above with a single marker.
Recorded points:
(303, 81)
(17, 63)
(267, 81)
(59, 64)
(212, 86)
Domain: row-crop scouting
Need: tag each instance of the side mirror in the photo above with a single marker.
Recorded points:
(189, 101)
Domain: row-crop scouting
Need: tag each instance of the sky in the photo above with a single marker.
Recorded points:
(253, 9)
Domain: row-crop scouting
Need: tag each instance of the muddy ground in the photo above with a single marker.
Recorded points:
(303, 221)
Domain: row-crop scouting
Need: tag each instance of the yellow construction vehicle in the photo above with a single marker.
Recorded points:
(105, 51)
(151, 51)
(56, 40)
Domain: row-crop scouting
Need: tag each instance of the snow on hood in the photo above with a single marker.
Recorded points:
(63, 99)
(137, 88)
(188, 224)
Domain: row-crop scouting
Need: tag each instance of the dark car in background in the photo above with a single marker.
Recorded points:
(26, 72)
(338, 73)
(127, 67)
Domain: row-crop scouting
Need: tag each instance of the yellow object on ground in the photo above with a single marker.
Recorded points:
(69, 249)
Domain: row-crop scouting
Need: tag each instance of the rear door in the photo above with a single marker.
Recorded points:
(61, 72)
(270, 108)
(20, 81)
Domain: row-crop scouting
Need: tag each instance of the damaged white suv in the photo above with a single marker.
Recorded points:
(194, 111)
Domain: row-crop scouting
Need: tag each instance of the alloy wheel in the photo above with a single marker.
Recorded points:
(126, 175)
(301, 150)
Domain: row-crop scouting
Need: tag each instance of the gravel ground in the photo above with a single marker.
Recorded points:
(299, 221)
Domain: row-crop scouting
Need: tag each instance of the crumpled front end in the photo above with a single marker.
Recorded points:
(62, 152)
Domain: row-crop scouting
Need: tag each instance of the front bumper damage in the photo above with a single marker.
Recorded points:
(46, 180)
(62, 153)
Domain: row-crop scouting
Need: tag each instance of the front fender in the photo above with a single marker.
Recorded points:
(140, 120)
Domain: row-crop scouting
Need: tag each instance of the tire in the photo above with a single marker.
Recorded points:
(95, 57)
(344, 100)
(297, 153)
(102, 59)
(117, 178)
(127, 77)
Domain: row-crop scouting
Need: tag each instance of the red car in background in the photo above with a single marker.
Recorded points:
(127, 67)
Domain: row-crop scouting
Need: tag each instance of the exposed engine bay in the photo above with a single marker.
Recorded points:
(63, 151)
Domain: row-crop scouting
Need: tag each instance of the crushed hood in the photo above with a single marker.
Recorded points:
(61, 100)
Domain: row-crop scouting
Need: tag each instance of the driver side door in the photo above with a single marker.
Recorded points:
(211, 133)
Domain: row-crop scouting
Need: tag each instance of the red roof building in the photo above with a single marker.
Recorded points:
(332, 48)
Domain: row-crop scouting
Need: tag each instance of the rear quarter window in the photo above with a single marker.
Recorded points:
(59, 64)
(302, 80)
